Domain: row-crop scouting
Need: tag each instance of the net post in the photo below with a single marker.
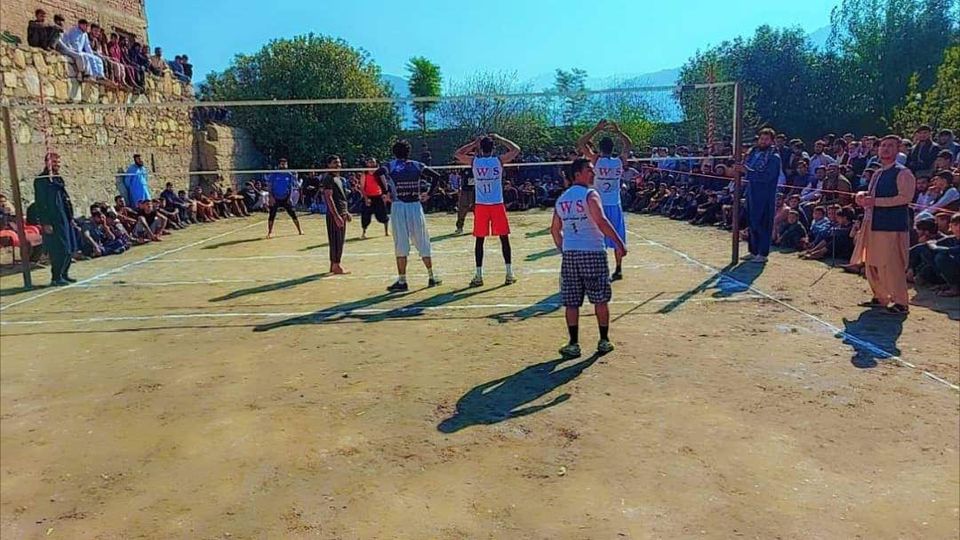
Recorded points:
(17, 200)
(737, 152)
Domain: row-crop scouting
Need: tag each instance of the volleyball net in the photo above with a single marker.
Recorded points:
(192, 143)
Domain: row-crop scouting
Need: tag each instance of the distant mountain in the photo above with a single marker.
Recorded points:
(399, 84)
(819, 37)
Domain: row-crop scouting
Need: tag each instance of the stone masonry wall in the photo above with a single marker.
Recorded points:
(93, 144)
(125, 15)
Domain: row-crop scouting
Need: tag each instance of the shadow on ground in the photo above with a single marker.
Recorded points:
(364, 310)
(503, 399)
(232, 243)
(325, 244)
(542, 307)
(873, 337)
(270, 287)
(542, 254)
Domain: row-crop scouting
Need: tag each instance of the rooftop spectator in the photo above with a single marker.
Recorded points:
(157, 63)
(42, 34)
(187, 67)
(76, 44)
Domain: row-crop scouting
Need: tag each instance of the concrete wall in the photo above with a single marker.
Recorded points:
(127, 15)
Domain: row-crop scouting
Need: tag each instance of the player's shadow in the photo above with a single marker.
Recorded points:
(730, 280)
(542, 254)
(508, 397)
(232, 243)
(333, 313)
(442, 237)
(535, 234)
(873, 336)
(542, 307)
(325, 244)
(270, 287)
(419, 307)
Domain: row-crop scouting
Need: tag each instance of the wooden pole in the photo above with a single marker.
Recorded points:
(17, 200)
(737, 155)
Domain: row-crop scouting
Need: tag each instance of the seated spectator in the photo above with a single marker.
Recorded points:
(838, 243)
(709, 212)
(187, 67)
(113, 70)
(511, 197)
(791, 233)
(921, 200)
(206, 210)
(130, 54)
(97, 238)
(820, 225)
(947, 259)
(947, 196)
(235, 202)
(189, 208)
(155, 223)
(42, 34)
(251, 197)
(117, 48)
(75, 43)
(172, 216)
(172, 202)
(921, 269)
(176, 67)
(157, 63)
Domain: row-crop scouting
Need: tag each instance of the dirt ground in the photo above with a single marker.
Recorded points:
(219, 385)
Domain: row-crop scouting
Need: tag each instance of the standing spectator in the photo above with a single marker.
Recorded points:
(136, 181)
(785, 152)
(924, 152)
(42, 34)
(945, 139)
(55, 215)
(886, 230)
(465, 200)
(762, 169)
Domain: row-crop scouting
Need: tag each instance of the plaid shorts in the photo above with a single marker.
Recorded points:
(584, 273)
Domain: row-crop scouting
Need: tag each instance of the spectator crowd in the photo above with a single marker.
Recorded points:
(115, 58)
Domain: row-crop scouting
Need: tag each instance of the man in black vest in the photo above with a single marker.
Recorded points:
(885, 243)
(55, 214)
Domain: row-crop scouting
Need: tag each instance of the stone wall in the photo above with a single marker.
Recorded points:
(94, 144)
(114, 15)
(221, 148)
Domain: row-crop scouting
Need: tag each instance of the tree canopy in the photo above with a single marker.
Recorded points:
(424, 81)
(308, 67)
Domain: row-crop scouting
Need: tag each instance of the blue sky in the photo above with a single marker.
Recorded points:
(605, 37)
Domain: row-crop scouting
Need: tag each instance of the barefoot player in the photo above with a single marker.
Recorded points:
(578, 230)
(489, 212)
(409, 224)
(608, 173)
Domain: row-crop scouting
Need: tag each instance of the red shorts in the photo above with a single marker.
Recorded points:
(490, 220)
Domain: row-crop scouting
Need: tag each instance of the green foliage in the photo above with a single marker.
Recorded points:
(875, 47)
(942, 101)
(424, 81)
(308, 67)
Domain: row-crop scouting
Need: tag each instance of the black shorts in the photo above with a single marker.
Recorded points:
(282, 203)
(584, 273)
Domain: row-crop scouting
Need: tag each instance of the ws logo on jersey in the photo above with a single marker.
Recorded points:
(487, 173)
(578, 207)
(609, 172)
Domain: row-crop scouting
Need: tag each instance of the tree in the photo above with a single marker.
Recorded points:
(424, 81)
(572, 86)
(887, 41)
(910, 114)
(308, 67)
(942, 101)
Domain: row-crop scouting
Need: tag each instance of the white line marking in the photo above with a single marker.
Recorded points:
(380, 277)
(873, 347)
(346, 312)
(124, 267)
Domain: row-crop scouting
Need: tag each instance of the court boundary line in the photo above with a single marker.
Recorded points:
(837, 331)
(121, 268)
(345, 312)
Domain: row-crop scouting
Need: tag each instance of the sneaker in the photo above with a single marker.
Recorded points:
(477, 281)
(748, 257)
(59, 283)
(570, 350)
(616, 276)
(759, 259)
(434, 282)
(510, 280)
(458, 231)
(604, 346)
(398, 287)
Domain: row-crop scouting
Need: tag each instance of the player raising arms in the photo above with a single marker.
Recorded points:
(489, 212)
(608, 174)
(409, 223)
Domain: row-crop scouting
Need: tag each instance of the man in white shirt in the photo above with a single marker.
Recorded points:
(77, 42)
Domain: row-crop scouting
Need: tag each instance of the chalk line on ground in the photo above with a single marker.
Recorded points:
(873, 347)
(121, 268)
